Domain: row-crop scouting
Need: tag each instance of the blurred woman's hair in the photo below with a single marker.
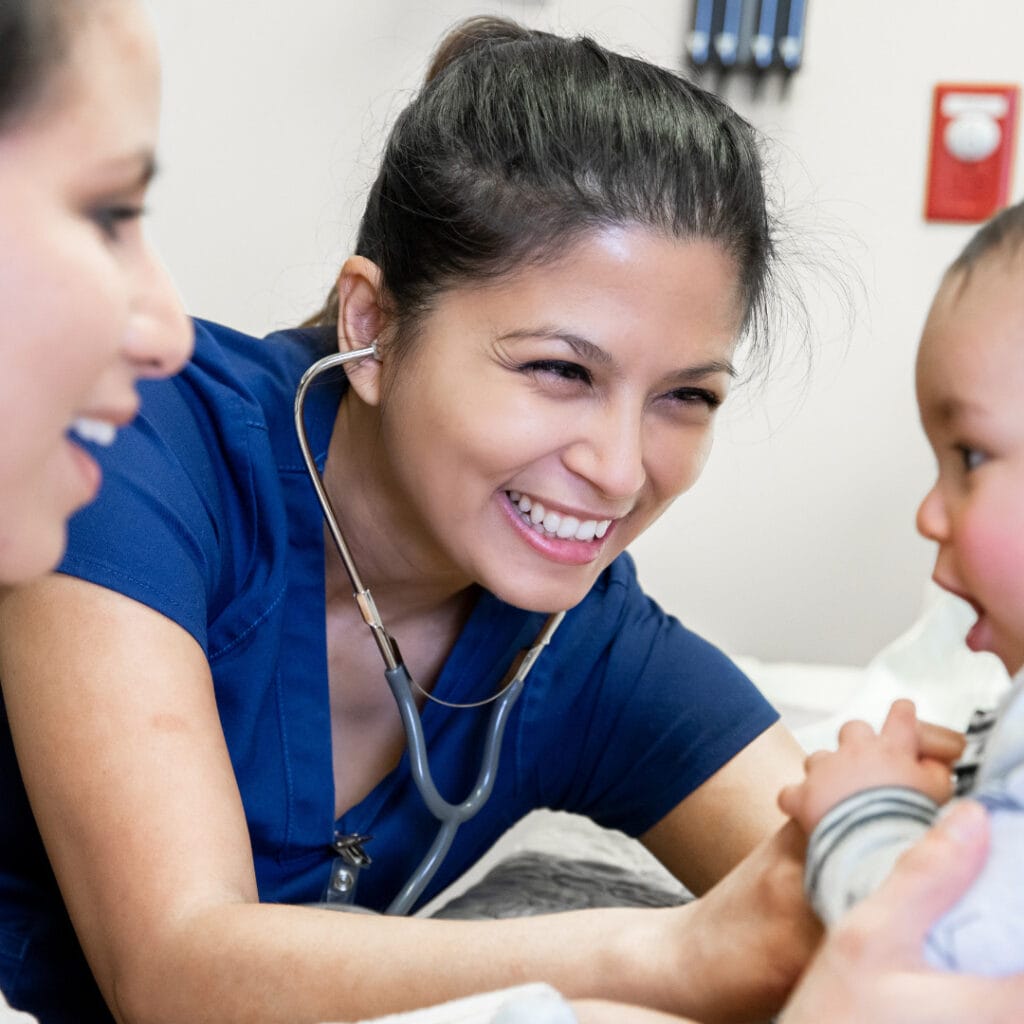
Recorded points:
(34, 36)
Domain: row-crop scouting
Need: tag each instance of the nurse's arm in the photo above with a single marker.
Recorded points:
(716, 826)
(118, 737)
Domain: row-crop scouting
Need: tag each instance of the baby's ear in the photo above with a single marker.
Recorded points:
(361, 319)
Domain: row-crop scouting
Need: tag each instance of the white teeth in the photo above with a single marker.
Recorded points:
(568, 527)
(556, 525)
(97, 431)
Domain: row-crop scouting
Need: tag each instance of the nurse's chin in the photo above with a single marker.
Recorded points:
(546, 596)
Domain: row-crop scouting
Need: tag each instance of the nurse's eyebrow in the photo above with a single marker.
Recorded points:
(693, 373)
(583, 348)
(594, 353)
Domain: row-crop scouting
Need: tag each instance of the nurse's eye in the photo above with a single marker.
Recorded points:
(112, 219)
(696, 396)
(971, 458)
(559, 369)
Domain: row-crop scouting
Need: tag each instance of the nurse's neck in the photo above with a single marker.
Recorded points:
(393, 540)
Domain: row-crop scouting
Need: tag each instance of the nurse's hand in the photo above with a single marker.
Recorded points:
(871, 966)
(756, 933)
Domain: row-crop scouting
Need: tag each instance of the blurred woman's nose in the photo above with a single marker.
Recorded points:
(609, 454)
(932, 521)
(159, 338)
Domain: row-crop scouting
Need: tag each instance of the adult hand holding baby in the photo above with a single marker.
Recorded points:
(872, 968)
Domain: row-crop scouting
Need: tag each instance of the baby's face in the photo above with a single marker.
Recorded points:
(970, 391)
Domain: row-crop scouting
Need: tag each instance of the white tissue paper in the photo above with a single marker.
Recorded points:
(929, 664)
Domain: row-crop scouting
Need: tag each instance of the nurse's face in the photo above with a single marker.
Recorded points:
(85, 308)
(540, 423)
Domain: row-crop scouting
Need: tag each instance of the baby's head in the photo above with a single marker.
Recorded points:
(970, 391)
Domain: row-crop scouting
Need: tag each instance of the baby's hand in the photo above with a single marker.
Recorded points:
(939, 743)
(895, 756)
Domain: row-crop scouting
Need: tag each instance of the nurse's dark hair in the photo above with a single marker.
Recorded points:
(521, 141)
(1003, 235)
(34, 40)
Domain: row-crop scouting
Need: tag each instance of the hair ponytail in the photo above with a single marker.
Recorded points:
(520, 142)
(473, 33)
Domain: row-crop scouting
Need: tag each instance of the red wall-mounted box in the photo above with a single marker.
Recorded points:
(970, 163)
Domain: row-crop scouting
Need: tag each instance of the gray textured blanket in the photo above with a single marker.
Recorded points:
(542, 883)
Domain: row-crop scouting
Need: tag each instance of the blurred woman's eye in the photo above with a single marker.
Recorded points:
(112, 219)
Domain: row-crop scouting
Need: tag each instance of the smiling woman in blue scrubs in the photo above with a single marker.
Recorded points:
(559, 257)
(87, 309)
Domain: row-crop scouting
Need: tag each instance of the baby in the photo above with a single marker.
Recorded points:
(865, 803)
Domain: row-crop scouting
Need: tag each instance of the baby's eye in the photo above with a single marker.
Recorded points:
(972, 458)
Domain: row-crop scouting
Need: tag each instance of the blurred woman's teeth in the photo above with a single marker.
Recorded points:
(97, 431)
(555, 525)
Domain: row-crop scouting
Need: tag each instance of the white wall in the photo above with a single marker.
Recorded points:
(798, 543)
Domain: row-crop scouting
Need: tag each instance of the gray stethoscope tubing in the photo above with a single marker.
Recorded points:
(450, 815)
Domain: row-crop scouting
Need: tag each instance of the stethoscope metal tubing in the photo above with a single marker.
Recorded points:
(363, 597)
(450, 815)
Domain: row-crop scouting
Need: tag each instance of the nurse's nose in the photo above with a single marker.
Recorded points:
(159, 338)
(609, 452)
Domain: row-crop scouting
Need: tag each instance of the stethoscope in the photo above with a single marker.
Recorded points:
(351, 855)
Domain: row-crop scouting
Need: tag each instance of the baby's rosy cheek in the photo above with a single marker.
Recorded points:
(999, 563)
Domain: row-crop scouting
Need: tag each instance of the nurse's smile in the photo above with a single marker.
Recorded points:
(572, 539)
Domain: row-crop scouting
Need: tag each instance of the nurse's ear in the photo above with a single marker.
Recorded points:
(361, 319)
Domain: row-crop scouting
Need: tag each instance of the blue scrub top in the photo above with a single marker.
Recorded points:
(207, 515)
